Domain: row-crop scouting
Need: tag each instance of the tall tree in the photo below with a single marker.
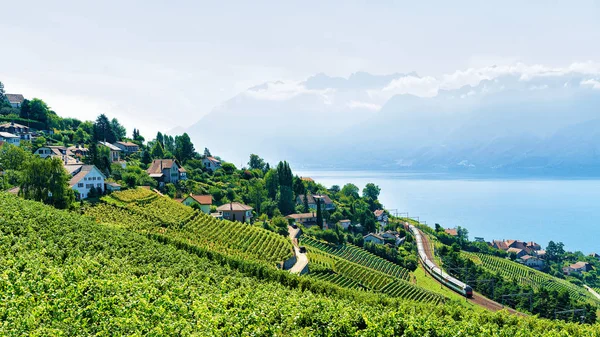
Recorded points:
(103, 130)
(305, 202)
(207, 152)
(160, 139)
(272, 183)
(157, 151)
(256, 193)
(118, 129)
(256, 162)
(319, 213)
(286, 194)
(350, 190)
(184, 149)
(2, 94)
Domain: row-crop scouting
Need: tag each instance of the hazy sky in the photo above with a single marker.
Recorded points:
(160, 64)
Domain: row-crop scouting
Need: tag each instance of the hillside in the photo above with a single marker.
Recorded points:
(65, 274)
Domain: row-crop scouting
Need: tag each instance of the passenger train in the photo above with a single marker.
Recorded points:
(437, 272)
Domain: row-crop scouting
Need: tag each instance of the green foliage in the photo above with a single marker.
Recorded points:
(184, 149)
(46, 180)
(103, 130)
(256, 162)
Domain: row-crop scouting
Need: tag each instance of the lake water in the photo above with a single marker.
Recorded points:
(537, 210)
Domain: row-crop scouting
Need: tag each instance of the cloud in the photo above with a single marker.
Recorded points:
(595, 84)
(364, 105)
(419, 86)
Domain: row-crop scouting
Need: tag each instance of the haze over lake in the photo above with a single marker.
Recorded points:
(527, 209)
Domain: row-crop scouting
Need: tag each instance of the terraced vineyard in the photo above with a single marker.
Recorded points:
(526, 275)
(163, 216)
(360, 256)
(366, 277)
(147, 203)
(337, 279)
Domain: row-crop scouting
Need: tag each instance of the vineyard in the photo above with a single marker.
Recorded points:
(525, 275)
(164, 216)
(360, 256)
(63, 274)
(364, 270)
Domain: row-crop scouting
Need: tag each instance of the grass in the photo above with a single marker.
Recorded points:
(424, 280)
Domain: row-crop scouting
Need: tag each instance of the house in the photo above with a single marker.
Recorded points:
(392, 235)
(211, 163)
(112, 186)
(235, 211)
(532, 261)
(345, 223)
(596, 256)
(115, 152)
(374, 238)
(305, 219)
(578, 267)
(127, 147)
(60, 152)
(533, 246)
(217, 215)
(15, 100)
(499, 244)
(451, 231)
(479, 239)
(540, 253)
(307, 179)
(312, 201)
(84, 177)
(518, 251)
(203, 201)
(167, 171)
(17, 129)
(381, 217)
(10, 138)
(78, 151)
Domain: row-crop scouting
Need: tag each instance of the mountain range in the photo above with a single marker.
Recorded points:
(517, 119)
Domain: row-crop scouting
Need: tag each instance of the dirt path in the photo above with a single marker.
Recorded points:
(478, 299)
(301, 259)
(592, 291)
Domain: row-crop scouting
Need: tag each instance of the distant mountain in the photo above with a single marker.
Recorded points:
(519, 121)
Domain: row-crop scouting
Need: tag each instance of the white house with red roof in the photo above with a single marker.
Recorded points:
(84, 177)
(211, 163)
(203, 201)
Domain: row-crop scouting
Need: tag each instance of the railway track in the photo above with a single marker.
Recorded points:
(477, 298)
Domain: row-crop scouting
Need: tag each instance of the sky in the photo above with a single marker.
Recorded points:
(156, 65)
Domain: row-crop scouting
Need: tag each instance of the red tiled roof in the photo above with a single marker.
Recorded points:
(15, 98)
(451, 231)
(378, 212)
(160, 164)
(202, 199)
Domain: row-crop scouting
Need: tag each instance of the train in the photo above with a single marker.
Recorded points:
(435, 271)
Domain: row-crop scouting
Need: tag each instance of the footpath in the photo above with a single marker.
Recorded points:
(301, 260)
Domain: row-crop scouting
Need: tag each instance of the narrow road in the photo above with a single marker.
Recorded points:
(592, 291)
(478, 299)
(301, 259)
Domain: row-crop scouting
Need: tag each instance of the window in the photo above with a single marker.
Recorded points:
(98, 185)
(226, 214)
(80, 185)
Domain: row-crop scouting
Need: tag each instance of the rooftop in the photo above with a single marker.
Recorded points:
(202, 199)
(15, 98)
(8, 135)
(234, 206)
(110, 146)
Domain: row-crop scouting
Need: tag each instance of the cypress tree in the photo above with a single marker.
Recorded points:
(319, 213)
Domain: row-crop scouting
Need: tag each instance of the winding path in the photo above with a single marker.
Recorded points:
(301, 259)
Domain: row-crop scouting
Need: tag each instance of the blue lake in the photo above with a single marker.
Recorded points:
(493, 208)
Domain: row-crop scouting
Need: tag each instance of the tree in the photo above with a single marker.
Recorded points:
(256, 162)
(118, 129)
(371, 191)
(305, 203)
(350, 191)
(184, 149)
(160, 139)
(2, 94)
(319, 214)
(272, 183)
(47, 181)
(334, 189)
(256, 193)
(157, 151)
(286, 194)
(207, 152)
(103, 131)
